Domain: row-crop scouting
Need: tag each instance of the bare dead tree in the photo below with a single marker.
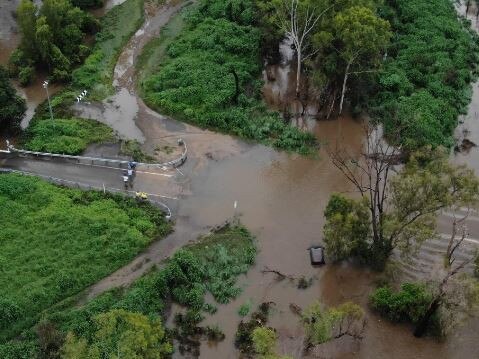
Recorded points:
(458, 234)
(403, 209)
(298, 21)
(350, 326)
(369, 172)
(439, 298)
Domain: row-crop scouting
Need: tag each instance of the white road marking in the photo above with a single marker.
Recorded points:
(122, 169)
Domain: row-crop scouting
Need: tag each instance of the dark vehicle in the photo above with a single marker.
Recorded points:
(317, 255)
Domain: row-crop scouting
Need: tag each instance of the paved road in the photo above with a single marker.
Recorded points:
(158, 183)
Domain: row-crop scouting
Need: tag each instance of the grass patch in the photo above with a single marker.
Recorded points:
(67, 136)
(211, 265)
(117, 27)
(426, 81)
(148, 62)
(209, 76)
(133, 148)
(56, 241)
(244, 308)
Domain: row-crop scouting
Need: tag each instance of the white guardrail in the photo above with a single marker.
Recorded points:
(87, 187)
(173, 163)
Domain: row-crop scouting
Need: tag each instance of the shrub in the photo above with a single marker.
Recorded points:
(425, 83)
(26, 75)
(244, 309)
(409, 304)
(68, 136)
(9, 312)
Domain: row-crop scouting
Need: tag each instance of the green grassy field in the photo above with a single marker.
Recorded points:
(212, 265)
(68, 136)
(56, 241)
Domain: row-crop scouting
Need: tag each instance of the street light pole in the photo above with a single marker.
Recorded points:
(45, 86)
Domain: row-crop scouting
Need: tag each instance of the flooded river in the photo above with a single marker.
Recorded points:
(281, 198)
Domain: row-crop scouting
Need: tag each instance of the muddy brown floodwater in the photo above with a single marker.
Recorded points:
(281, 198)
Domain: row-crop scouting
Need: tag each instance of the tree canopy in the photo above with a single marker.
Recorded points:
(425, 82)
(52, 39)
(120, 334)
(12, 106)
(402, 209)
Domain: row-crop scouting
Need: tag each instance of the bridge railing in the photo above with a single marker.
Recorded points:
(88, 187)
(95, 160)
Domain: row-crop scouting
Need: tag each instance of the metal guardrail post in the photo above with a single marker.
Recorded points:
(173, 163)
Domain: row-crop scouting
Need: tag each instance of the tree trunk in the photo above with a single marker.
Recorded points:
(424, 322)
(332, 105)
(346, 75)
(298, 70)
(468, 3)
(237, 89)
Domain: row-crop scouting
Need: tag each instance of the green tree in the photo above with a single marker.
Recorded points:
(363, 36)
(44, 38)
(12, 106)
(324, 324)
(87, 4)
(298, 20)
(346, 229)
(264, 341)
(403, 209)
(120, 334)
(52, 38)
(26, 19)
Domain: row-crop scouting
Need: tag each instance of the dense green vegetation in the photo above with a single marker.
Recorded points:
(425, 82)
(323, 324)
(336, 40)
(117, 26)
(154, 52)
(210, 265)
(12, 106)
(408, 304)
(52, 39)
(211, 77)
(68, 136)
(264, 341)
(56, 241)
(87, 4)
(121, 334)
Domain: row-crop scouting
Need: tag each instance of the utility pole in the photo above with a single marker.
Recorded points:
(45, 86)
